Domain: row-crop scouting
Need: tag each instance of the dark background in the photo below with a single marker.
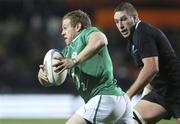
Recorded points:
(29, 28)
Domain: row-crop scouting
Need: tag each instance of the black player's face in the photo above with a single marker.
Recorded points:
(124, 23)
(68, 32)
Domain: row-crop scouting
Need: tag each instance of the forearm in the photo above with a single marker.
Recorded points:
(147, 73)
(96, 42)
(88, 52)
(145, 76)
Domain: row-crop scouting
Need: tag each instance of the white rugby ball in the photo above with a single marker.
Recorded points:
(53, 77)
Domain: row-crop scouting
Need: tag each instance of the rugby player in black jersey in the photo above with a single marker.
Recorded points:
(160, 67)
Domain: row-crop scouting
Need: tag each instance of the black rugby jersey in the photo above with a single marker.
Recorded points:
(148, 41)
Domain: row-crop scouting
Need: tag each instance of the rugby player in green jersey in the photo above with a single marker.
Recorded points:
(88, 62)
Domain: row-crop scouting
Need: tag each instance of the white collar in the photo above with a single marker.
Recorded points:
(137, 24)
(75, 38)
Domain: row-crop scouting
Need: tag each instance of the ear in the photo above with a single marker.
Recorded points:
(136, 18)
(78, 27)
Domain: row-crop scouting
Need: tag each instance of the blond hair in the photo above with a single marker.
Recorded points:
(78, 16)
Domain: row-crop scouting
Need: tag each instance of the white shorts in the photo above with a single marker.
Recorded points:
(107, 109)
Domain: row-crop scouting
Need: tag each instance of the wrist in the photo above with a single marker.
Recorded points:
(129, 94)
(74, 60)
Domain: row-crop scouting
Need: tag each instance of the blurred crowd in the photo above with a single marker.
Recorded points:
(25, 38)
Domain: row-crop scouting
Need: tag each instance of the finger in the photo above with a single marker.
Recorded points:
(41, 66)
(58, 57)
(44, 77)
(61, 70)
(58, 68)
(42, 71)
(45, 83)
(57, 63)
(43, 74)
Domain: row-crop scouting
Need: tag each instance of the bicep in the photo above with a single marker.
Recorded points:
(151, 63)
(97, 38)
(149, 47)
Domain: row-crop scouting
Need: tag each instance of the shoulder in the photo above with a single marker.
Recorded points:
(146, 31)
(146, 28)
(95, 32)
(87, 31)
(91, 30)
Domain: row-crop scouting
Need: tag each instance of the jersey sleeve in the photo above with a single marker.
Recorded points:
(148, 46)
(88, 33)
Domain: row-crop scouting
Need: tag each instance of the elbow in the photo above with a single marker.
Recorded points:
(104, 43)
(101, 44)
(151, 65)
(156, 70)
(153, 69)
(100, 41)
(104, 40)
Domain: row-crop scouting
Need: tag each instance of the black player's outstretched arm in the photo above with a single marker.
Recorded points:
(147, 73)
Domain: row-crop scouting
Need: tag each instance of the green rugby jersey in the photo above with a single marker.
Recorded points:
(95, 75)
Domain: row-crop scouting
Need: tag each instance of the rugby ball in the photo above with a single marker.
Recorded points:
(53, 77)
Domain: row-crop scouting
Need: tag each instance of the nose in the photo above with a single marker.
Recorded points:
(62, 33)
(120, 24)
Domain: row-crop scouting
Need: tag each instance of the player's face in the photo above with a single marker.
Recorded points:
(68, 32)
(124, 23)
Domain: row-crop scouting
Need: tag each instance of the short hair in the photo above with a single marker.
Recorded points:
(128, 7)
(78, 16)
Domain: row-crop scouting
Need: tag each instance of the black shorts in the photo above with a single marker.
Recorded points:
(173, 107)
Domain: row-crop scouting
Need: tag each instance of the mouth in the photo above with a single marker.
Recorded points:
(65, 38)
(124, 32)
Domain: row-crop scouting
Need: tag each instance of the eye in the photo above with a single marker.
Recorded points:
(123, 18)
(64, 28)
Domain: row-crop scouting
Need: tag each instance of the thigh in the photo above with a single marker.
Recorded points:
(151, 112)
(178, 120)
(125, 116)
(76, 119)
(103, 109)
